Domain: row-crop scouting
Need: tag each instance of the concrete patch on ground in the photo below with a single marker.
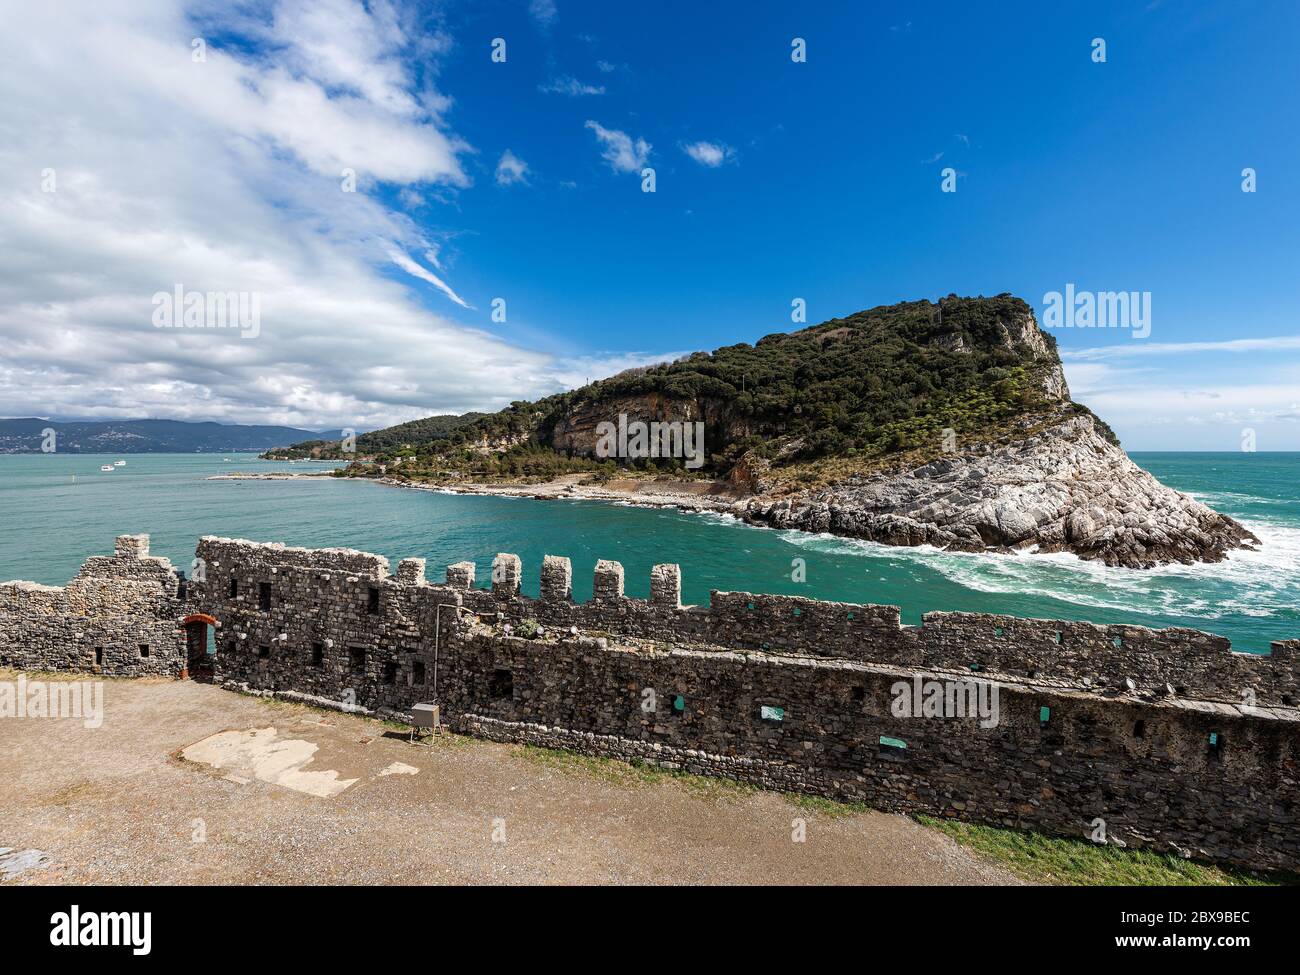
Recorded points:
(13, 862)
(398, 768)
(262, 754)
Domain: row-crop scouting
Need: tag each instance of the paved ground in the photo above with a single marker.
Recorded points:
(280, 793)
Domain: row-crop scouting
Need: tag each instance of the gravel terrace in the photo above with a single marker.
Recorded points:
(316, 797)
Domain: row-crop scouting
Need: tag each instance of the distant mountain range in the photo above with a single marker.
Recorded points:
(426, 431)
(27, 434)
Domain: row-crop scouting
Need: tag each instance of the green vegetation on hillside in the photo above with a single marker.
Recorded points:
(873, 385)
(399, 440)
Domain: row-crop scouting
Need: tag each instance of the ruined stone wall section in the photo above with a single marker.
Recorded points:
(338, 627)
(119, 616)
(212, 549)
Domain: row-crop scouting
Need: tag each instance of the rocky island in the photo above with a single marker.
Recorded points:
(924, 423)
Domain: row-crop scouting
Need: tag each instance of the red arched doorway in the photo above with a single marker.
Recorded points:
(198, 662)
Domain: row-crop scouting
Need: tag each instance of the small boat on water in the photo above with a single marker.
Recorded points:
(107, 467)
(119, 463)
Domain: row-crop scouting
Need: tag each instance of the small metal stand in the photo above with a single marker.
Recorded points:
(426, 717)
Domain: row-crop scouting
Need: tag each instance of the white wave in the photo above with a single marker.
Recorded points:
(1262, 583)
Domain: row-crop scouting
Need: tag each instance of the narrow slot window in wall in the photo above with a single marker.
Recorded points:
(679, 706)
(1217, 744)
(234, 587)
(264, 596)
(892, 749)
(1139, 729)
(390, 672)
(1118, 642)
(859, 694)
(768, 712)
(318, 654)
(1056, 638)
(264, 651)
(997, 631)
(417, 672)
(144, 650)
(1044, 716)
(99, 656)
(372, 603)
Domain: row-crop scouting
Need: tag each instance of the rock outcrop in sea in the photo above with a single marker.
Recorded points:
(1062, 488)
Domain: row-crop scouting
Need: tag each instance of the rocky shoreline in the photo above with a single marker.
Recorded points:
(1065, 488)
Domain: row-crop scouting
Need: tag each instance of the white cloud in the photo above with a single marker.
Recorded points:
(424, 274)
(1142, 348)
(342, 45)
(511, 169)
(711, 154)
(225, 175)
(543, 11)
(571, 87)
(606, 67)
(1154, 410)
(623, 153)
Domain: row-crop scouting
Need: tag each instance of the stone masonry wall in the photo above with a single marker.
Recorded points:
(120, 616)
(1167, 736)
(1170, 738)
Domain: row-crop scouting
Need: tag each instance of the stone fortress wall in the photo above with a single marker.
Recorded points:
(119, 617)
(1172, 740)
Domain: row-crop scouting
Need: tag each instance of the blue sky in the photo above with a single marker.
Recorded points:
(521, 180)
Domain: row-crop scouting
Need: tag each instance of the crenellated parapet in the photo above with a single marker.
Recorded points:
(410, 572)
(557, 579)
(666, 586)
(507, 574)
(1172, 662)
(461, 575)
(607, 584)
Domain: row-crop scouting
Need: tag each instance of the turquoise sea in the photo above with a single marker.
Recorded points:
(57, 509)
